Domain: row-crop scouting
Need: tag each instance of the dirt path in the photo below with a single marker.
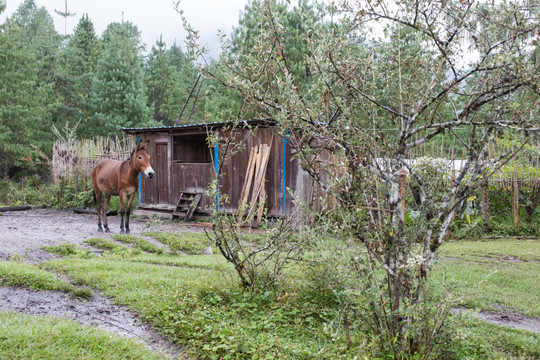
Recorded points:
(98, 311)
(504, 318)
(25, 232)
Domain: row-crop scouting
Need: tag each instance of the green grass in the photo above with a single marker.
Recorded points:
(189, 243)
(210, 262)
(483, 279)
(138, 243)
(197, 302)
(68, 250)
(32, 277)
(41, 337)
(64, 249)
(103, 244)
(492, 250)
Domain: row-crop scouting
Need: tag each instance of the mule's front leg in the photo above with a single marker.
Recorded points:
(97, 195)
(105, 206)
(128, 210)
(122, 212)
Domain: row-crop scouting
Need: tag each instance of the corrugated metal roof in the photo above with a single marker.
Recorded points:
(192, 126)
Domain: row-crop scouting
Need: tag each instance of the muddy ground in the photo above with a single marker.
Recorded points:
(25, 232)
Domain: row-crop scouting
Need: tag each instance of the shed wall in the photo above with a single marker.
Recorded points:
(172, 176)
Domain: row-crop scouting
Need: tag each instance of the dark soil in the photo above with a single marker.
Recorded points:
(25, 232)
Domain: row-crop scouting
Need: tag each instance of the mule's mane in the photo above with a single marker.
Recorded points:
(132, 152)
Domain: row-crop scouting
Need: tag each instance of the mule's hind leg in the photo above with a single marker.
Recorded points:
(105, 206)
(97, 197)
(128, 210)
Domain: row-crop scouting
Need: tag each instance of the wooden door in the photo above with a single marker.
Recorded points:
(162, 175)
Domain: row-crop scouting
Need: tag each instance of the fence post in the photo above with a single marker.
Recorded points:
(515, 195)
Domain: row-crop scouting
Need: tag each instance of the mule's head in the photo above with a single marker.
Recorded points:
(141, 160)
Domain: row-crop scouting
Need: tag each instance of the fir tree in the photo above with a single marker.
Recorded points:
(118, 91)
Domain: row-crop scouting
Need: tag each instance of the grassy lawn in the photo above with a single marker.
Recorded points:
(493, 274)
(196, 301)
(42, 337)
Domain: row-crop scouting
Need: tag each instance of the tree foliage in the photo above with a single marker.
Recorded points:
(78, 64)
(21, 103)
(118, 91)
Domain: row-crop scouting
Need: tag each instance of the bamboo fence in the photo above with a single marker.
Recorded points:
(76, 159)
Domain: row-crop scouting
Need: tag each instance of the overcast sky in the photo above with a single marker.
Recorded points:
(152, 17)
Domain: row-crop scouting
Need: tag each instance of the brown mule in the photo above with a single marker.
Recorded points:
(120, 178)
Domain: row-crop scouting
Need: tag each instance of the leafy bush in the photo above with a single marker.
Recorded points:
(65, 196)
(28, 191)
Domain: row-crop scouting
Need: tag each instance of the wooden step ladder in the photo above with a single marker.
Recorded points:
(186, 204)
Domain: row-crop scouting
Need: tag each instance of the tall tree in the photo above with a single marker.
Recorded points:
(40, 37)
(118, 91)
(292, 23)
(22, 110)
(187, 77)
(78, 65)
(163, 83)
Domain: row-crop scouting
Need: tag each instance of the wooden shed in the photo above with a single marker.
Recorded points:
(184, 160)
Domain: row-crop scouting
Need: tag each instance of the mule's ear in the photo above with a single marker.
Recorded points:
(141, 145)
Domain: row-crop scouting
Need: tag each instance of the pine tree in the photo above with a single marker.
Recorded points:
(118, 96)
(78, 64)
(21, 104)
(187, 76)
(163, 82)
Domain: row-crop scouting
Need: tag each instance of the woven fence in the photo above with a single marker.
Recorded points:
(75, 160)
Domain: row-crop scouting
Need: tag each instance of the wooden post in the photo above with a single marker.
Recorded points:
(515, 195)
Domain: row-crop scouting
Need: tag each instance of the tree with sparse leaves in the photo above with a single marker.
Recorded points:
(385, 80)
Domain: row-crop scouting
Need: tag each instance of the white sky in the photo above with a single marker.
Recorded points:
(152, 17)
